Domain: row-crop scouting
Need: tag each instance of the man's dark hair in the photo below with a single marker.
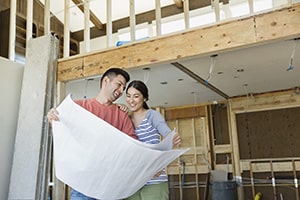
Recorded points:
(112, 72)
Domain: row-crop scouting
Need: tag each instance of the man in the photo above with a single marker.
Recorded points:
(112, 84)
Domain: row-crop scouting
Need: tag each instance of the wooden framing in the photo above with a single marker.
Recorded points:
(264, 28)
(273, 26)
(275, 100)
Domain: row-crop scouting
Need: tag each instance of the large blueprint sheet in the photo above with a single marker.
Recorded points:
(100, 161)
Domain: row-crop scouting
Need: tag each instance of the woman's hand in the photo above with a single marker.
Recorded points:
(176, 140)
(158, 174)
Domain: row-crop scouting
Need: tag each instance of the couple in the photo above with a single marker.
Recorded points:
(144, 124)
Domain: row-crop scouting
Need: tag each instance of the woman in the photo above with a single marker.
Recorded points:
(149, 127)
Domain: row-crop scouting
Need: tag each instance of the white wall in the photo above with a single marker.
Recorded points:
(11, 75)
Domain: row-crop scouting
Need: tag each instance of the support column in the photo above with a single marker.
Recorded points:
(67, 29)
(86, 32)
(235, 150)
(12, 30)
(109, 27)
(29, 20)
(29, 174)
(47, 17)
(158, 17)
(132, 20)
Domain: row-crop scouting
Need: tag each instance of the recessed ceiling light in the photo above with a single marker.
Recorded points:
(220, 72)
(180, 79)
(164, 83)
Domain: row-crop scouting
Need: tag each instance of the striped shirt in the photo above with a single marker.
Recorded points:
(150, 131)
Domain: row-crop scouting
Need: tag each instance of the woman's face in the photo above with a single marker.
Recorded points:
(134, 99)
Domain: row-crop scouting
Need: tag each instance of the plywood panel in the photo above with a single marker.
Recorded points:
(269, 134)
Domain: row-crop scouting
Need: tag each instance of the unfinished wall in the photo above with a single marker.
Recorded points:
(11, 75)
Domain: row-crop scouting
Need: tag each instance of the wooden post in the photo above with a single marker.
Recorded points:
(235, 151)
(295, 179)
(132, 20)
(252, 180)
(47, 17)
(217, 9)
(195, 157)
(108, 23)
(67, 29)
(87, 25)
(29, 20)
(60, 190)
(158, 17)
(251, 8)
(186, 8)
(273, 180)
(12, 30)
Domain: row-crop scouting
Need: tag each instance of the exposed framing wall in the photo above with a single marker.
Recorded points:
(277, 25)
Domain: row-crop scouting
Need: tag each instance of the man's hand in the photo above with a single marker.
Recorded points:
(52, 115)
(123, 107)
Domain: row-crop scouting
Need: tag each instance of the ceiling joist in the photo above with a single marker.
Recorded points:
(199, 79)
(94, 19)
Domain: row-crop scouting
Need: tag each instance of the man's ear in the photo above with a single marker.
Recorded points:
(105, 81)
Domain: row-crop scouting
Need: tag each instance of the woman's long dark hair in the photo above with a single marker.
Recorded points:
(140, 86)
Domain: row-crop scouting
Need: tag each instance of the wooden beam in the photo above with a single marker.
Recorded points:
(252, 31)
(268, 101)
(94, 19)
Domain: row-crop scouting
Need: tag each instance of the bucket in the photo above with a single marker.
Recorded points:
(223, 190)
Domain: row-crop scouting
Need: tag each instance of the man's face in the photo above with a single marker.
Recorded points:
(115, 87)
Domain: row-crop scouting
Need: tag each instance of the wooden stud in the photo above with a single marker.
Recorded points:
(47, 17)
(109, 39)
(66, 52)
(158, 17)
(87, 40)
(216, 4)
(12, 30)
(29, 20)
(273, 180)
(195, 158)
(295, 180)
(132, 20)
(252, 180)
(186, 11)
(263, 28)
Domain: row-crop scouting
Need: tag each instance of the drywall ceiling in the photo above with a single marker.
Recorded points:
(243, 72)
